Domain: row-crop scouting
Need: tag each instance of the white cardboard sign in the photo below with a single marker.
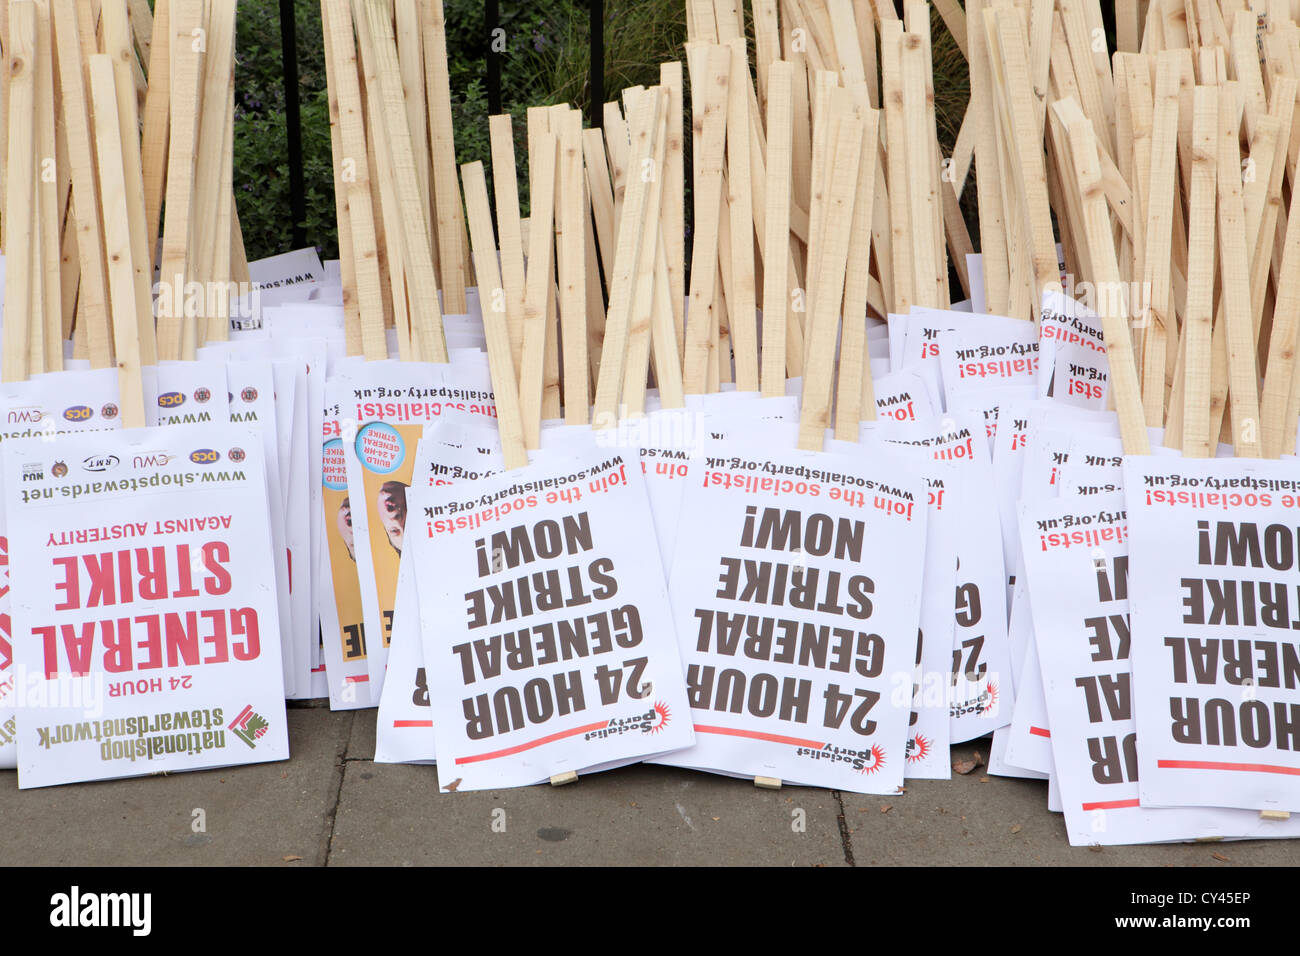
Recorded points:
(144, 605)
(1215, 595)
(1073, 350)
(384, 408)
(43, 407)
(1077, 561)
(982, 691)
(448, 453)
(796, 585)
(548, 641)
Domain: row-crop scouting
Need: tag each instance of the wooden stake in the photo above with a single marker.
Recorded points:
(20, 183)
(854, 381)
(48, 321)
(1197, 321)
(672, 214)
(91, 304)
(844, 151)
(186, 69)
(217, 97)
(505, 185)
(117, 226)
(601, 195)
(347, 260)
(571, 259)
(613, 357)
(929, 268)
(119, 44)
(900, 213)
(157, 125)
(643, 316)
(500, 357)
(1159, 228)
(1235, 287)
(541, 194)
(388, 229)
(1275, 406)
(777, 227)
(410, 57)
(451, 220)
(709, 98)
(1010, 72)
(1084, 149)
(427, 337)
(741, 306)
(663, 336)
(352, 170)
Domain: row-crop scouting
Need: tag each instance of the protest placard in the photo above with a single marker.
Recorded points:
(384, 407)
(981, 690)
(1073, 366)
(548, 642)
(43, 407)
(1077, 566)
(145, 622)
(799, 639)
(1214, 582)
(449, 452)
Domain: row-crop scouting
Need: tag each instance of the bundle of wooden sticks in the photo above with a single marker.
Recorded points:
(112, 112)
(821, 196)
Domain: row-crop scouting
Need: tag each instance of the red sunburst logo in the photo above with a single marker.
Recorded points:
(877, 760)
(992, 690)
(662, 716)
(920, 749)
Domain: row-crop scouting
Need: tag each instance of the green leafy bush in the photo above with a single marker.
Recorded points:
(544, 60)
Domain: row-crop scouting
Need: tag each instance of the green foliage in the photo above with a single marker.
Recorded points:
(261, 161)
(545, 60)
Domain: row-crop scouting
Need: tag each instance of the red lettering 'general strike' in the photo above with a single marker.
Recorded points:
(149, 574)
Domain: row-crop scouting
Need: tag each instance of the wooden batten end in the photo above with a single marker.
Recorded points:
(768, 783)
(1279, 815)
(560, 779)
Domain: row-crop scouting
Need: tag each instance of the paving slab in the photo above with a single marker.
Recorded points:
(361, 743)
(332, 804)
(638, 815)
(254, 815)
(982, 820)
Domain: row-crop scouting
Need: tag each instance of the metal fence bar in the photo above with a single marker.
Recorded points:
(596, 80)
(491, 23)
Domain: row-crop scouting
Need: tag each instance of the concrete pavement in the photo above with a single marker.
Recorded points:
(331, 804)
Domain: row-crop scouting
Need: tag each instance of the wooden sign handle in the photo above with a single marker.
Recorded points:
(500, 359)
